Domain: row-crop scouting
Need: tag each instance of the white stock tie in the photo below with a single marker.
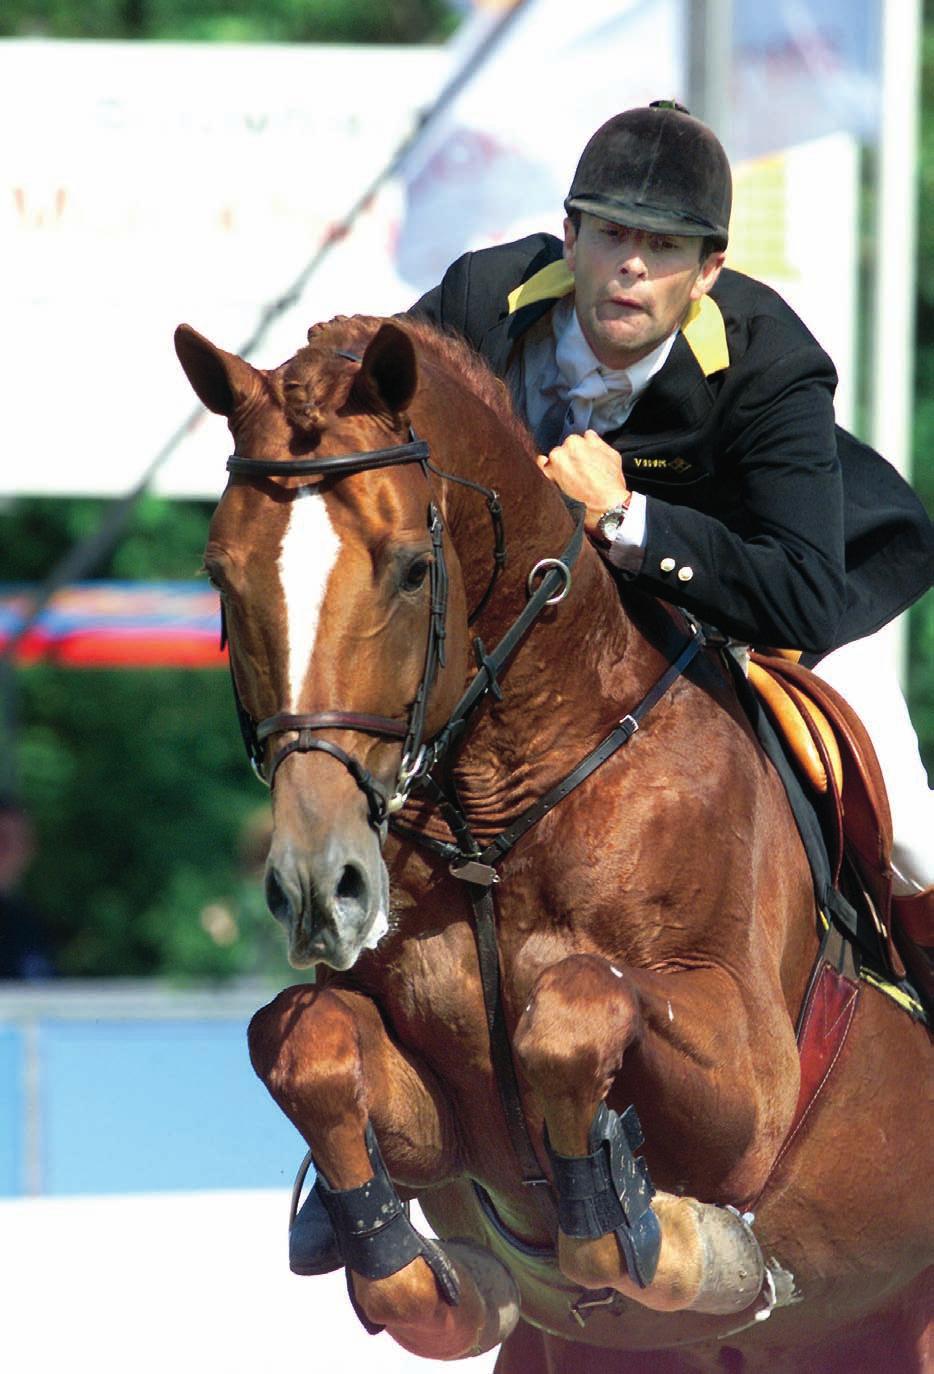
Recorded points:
(582, 398)
(594, 394)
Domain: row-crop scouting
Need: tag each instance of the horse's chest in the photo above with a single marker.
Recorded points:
(433, 1000)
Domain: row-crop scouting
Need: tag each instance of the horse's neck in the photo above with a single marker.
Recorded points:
(563, 683)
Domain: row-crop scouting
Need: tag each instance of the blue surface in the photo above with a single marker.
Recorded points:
(143, 1106)
(11, 1111)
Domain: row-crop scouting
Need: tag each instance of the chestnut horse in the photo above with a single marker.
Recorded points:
(655, 929)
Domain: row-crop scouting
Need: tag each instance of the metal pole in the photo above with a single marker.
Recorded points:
(896, 232)
(895, 245)
(710, 57)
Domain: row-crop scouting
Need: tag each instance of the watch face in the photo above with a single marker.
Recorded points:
(609, 523)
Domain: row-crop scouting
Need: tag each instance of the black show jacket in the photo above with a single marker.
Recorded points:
(763, 517)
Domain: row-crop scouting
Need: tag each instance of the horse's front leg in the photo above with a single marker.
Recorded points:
(666, 1252)
(356, 1097)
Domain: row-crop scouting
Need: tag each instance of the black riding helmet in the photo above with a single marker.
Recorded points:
(656, 168)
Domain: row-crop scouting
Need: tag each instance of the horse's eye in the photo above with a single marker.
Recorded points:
(416, 573)
(212, 577)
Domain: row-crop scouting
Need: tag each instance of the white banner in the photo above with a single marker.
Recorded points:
(145, 184)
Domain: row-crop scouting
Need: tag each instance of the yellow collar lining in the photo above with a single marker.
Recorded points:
(703, 330)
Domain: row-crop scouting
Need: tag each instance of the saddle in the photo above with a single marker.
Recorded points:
(835, 756)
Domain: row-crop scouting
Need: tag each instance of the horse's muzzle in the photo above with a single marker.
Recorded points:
(332, 904)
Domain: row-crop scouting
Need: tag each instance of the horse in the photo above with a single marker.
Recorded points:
(534, 946)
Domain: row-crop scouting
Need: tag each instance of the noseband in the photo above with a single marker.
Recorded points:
(415, 760)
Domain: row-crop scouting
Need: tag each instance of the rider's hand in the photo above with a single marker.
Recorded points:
(588, 470)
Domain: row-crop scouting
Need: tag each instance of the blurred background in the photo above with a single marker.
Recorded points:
(252, 166)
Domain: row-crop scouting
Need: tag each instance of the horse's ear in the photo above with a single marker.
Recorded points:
(221, 380)
(389, 370)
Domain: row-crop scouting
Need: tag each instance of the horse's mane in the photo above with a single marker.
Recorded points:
(445, 349)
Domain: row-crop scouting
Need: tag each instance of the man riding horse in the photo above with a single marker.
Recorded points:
(691, 412)
(404, 685)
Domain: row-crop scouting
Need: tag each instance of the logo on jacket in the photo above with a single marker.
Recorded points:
(678, 467)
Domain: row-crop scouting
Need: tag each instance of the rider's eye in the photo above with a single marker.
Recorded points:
(416, 573)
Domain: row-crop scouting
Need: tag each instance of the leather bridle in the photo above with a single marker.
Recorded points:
(415, 754)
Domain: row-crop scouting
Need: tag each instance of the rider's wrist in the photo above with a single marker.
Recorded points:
(609, 523)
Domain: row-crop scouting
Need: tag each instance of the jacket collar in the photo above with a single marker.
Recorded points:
(703, 329)
(679, 397)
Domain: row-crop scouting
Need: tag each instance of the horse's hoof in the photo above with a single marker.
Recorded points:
(734, 1271)
(313, 1247)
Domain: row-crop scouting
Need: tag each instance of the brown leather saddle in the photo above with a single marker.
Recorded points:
(836, 757)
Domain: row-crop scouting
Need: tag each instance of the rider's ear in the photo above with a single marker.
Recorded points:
(388, 372)
(221, 380)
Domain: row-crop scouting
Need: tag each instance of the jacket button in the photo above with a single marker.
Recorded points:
(667, 565)
(685, 574)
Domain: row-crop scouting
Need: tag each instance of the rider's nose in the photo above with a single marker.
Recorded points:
(632, 263)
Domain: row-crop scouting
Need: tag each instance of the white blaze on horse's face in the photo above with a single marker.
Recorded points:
(307, 557)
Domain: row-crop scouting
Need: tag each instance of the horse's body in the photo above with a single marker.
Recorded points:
(656, 930)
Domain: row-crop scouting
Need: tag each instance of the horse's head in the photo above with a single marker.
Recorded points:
(329, 572)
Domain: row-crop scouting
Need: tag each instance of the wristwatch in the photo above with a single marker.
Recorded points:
(610, 521)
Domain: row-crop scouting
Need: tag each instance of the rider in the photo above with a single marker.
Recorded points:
(691, 412)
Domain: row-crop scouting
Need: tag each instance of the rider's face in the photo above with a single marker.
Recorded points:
(633, 288)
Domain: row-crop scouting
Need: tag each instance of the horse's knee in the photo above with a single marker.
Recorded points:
(572, 1036)
(267, 1034)
(305, 1047)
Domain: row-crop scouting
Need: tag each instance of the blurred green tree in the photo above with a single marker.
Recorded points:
(232, 21)
(137, 780)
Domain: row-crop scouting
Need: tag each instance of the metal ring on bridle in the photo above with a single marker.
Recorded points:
(543, 566)
(407, 775)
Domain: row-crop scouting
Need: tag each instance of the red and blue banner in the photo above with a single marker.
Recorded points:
(117, 625)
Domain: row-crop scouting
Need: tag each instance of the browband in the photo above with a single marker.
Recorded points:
(416, 451)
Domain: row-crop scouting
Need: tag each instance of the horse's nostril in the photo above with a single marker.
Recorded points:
(276, 898)
(352, 888)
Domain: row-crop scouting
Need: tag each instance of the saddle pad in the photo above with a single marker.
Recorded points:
(792, 711)
(867, 818)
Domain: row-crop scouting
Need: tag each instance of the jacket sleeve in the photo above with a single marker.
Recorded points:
(771, 571)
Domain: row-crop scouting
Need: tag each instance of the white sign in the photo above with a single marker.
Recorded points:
(145, 184)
